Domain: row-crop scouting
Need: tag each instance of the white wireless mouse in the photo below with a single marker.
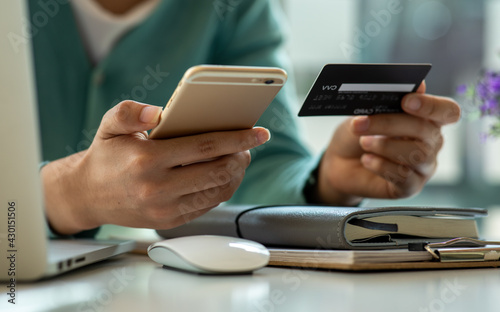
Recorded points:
(210, 254)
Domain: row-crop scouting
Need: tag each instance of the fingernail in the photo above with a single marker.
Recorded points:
(263, 135)
(367, 160)
(366, 142)
(413, 104)
(150, 114)
(361, 124)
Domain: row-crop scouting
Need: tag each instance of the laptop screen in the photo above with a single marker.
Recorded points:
(22, 229)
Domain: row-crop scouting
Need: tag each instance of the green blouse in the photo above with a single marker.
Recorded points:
(146, 65)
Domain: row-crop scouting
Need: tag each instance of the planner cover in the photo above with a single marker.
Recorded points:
(326, 227)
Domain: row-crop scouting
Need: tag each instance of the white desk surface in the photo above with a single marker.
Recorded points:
(135, 283)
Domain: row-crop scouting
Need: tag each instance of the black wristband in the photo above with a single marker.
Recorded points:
(310, 189)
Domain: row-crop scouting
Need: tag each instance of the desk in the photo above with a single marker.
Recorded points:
(135, 283)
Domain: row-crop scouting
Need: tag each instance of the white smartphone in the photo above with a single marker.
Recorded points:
(218, 98)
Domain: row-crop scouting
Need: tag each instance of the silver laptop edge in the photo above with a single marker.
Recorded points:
(24, 250)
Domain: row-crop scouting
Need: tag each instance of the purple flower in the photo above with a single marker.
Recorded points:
(495, 111)
(461, 89)
(493, 81)
(482, 91)
(489, 107)
(485, 96)
(489, 73)
(484, 110)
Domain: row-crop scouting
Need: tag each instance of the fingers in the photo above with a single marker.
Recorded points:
(183, 219)
(128, 117)
(395, 125)
(403, 140)
(138, 182)
(400, 150)
(206, 175)
(370, 176)
(196, 148)
(208, 198)
(189, 206)
(441, 110)
(392, 180)
(192, 205)
(416, 155)
(177, 195)
(397, 152)
(157, 187)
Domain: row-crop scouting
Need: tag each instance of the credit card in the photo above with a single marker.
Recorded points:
(362, 89)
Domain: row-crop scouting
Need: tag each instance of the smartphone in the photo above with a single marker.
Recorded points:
(218, 98)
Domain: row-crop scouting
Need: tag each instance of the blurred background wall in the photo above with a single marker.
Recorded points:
(459, 37)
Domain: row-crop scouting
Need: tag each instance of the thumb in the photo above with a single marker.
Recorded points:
(422, 87)
(128, 117)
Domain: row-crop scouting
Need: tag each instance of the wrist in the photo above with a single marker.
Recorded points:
(319, 190)
(65, 196)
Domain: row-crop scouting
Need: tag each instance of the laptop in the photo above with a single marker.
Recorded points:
(25, 251)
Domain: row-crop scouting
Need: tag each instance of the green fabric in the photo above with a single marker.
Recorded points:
(146, 65)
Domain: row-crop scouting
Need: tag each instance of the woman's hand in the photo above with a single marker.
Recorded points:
(126, 179)
(386, 155)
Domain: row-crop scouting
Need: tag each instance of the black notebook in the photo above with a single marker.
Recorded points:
(328, 227)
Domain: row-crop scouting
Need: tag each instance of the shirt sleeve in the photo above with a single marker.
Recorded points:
(254, 34)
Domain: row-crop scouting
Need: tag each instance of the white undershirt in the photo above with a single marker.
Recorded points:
(101, 29)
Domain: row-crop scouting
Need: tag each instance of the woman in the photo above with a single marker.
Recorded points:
(94, 57)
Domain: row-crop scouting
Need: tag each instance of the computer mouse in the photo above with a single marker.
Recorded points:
(210, 254)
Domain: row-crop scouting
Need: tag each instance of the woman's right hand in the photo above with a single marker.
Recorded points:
(126, 179)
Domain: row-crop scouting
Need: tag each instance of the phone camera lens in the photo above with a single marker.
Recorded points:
(270, 81)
